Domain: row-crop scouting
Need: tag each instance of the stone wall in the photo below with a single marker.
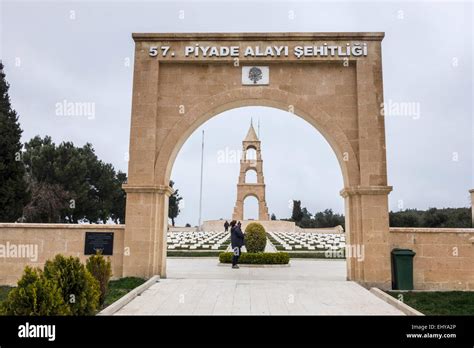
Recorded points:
(51, 239)
(327, 230)
(182, 229)
(444, 257)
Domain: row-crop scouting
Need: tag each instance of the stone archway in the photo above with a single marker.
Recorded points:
(339, 93)
(245, 208)
(251, 176)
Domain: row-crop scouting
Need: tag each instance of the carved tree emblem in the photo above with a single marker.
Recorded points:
(255, 74)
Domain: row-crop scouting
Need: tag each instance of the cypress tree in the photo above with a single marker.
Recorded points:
(13, 190)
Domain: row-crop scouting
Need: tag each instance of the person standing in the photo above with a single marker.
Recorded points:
(237, 241)
(226, 226)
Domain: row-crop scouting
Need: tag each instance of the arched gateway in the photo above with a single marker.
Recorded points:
(332, 80)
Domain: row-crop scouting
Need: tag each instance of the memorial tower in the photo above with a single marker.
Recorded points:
(245, 189)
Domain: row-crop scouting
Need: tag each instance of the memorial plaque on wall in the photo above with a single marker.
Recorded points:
(103, 241)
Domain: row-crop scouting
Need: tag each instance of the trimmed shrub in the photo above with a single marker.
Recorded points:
(257, 258)
(80, 290)
(255, 238)
(101, 270)
(35, 295)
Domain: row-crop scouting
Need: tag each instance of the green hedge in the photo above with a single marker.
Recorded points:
(257, 258)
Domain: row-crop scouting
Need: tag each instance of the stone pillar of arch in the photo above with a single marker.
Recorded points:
(245, 189)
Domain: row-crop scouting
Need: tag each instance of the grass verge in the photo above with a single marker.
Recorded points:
(438, 302)
(119, 287)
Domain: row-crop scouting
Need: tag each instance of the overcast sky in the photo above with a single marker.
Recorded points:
(83, 52)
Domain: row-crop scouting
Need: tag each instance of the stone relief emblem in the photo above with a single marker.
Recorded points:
(255, 74)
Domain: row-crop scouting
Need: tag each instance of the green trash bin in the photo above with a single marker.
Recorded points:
(402, 269)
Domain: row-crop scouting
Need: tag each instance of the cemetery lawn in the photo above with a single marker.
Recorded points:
(439, 302)
(119, 287)
(215, 253)
(180, 253)
(311, 255)
(292, 254)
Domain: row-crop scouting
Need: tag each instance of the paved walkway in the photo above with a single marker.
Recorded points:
(200, 286)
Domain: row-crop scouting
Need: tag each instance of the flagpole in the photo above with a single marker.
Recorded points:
(200, 189)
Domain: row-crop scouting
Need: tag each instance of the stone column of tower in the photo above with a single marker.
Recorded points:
(257, 189)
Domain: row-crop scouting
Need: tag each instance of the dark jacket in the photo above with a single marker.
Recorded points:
(236, 237)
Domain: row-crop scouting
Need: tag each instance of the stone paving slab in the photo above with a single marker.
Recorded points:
(309, 287)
